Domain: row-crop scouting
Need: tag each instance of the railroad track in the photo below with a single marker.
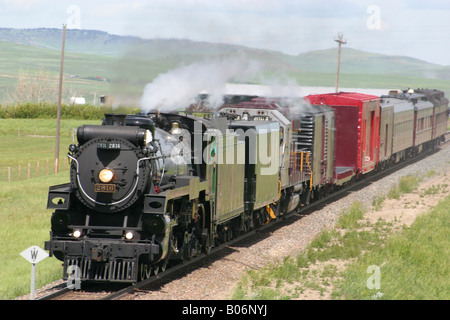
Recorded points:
(98, 292)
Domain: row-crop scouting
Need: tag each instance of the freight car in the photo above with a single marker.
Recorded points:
(357, 132)
(151, 190)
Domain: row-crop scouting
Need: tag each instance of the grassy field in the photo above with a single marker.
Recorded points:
(16, 59)
(24, 141)
(25, 221)
(412, 264)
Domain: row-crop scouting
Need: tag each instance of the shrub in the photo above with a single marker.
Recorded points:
(408, 183)
(49, 111)
(350, 217)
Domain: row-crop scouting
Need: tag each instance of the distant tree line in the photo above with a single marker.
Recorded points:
(46, 110)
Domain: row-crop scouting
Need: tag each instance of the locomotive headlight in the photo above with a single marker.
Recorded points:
(77, 233)
(106, 175)
(129, 235)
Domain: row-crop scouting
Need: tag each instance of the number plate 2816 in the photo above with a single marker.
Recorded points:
(105, 188)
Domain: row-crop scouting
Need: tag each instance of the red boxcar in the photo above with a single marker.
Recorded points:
(357, 131)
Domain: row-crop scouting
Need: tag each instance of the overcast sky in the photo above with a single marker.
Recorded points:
(416, 28)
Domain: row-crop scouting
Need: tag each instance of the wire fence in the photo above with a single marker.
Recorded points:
(32, 170)
(25, 170)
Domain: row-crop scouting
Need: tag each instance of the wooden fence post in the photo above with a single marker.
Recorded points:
(30, 174)
(56, 165)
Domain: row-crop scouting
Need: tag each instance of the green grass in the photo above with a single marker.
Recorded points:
(406, 184)
(268, 282)
(350, 217)
(24, 141)
(17, 58)
(414, 264)
(25, 221)
(377, 203)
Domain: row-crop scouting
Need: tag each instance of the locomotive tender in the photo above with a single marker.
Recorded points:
(155, 189)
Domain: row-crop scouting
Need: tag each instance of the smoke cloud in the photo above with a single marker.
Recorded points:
(180, 87)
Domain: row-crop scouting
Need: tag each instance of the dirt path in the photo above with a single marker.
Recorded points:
(405, 210)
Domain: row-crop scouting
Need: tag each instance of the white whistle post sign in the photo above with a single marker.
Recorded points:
(33, 254)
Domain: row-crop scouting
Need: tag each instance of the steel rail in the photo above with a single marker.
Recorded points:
(56, 294)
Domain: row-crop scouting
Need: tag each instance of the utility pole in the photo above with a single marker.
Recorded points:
(341, 41)
(58, 114)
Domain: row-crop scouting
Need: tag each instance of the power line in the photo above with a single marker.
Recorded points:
(341, 41)
(58, 115)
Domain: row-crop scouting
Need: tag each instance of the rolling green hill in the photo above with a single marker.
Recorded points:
(98, 63)
(81, 41)
(356, 61)
(36, 67)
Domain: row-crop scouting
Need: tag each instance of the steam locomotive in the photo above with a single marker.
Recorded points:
(150, 190)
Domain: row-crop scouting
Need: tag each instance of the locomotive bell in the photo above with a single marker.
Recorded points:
(114, 119)
(175, 128)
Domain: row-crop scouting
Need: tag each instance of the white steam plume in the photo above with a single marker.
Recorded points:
(180, 87)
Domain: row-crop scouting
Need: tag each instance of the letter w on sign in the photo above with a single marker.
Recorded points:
(34, 254)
